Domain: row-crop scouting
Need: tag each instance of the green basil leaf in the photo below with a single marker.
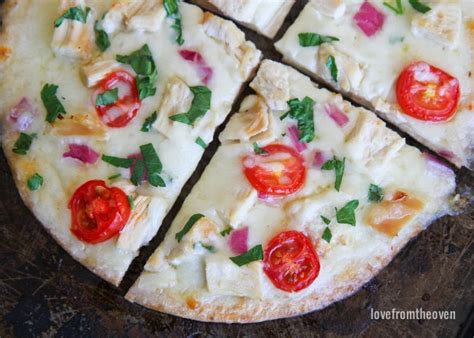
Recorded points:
(52, 104)
(171, 7)
(200, 142)
(35, 182)
(113, 177)
(23, 143)
(375, 193)
(118, 161)
(172, 11)
(258, 150)
(131, 201)
(226, 231)
(178, 27)
(73, 13)
(302, 112)
(254, 254)
(209, 248)
(153, 165)
(138, 172)
(398, 9)
(314, 39)
(346, 215)
(327, 235)
(326, 220)
(199, 106)
(146, 127)
(189, 224)
(419, 6)
(339, 167)
(331, 64)
(101, 38)
(107, 98)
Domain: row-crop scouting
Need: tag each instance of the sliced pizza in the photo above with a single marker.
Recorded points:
(263, 16)
(307, 198)
(107, 110)
(411, 61)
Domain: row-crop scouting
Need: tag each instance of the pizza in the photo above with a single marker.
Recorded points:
(411, 61)
(263, 16)
(307, 198)
(106, 110)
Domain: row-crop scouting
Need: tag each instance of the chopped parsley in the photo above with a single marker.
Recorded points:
(201, 143)
(302, 112)
(331, 64)
(226, 231)
(35, 182)
(131, 200)
(209, 248)
(199, 106)
(73, 13)
(143, 64)
(114, 177)
(258, 150)
(314, 39)
(327, 235)
(419, 6)
(375, 193)
(118, 161)
(101, 38)
(398, 8)
(146, 127)
(107, 98)
(346, 215)
(338, 166)
(326, 220)
(54, 107)
(172, 11)
(23, 143)
(254, 254)
(189, 224)
(153, 165)
(138, 171)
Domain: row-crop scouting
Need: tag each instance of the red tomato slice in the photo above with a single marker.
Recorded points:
(98, 212)
(279, 172)
(427, 93)
(290, 261)
(120, 113)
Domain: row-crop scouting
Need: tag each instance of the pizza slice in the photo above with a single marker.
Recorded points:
(411, 62)
(263, 16)
(307, 199)
(108, 108)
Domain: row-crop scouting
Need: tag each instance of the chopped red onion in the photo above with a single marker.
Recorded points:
(319, 159)
(82, 153)
(336, 114)
(295, 138)
(22, 114)
(436, 163)
(238, 241)
(369, 19)
(203, 69)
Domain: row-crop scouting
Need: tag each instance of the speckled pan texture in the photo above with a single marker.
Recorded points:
(44, 292)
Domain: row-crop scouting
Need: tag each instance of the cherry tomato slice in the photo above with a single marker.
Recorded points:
(120, 113)
(98, 212)
(290, 261)
(280, 171)
(427, 93)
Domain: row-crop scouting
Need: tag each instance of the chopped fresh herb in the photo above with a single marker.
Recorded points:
(153, 165)
(327, 235)
(73, 13)
(338, 166)
(143, 64)
(23, 143)
(258, 150)
(118, 161)
(226, 231)
(35, 182)
(326, 220)
(131, 200)
(52, 104)
(331, 64)
(199, 106)
(107, 98)
(419, 6)
(189, 224)
(113, 177)
(200, 142)
(146, 127)
(346, 215)
(398, 8)
(314, 39)
(101, 38)
(172, 11)
(375, 193)
(209, 248)
(395, 39)
(138, 171)
(302, 112)
(254, 254)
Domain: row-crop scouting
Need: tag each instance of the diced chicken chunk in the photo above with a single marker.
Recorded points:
(245, 200)
(349, 71)
(442, 25)
(80, 125)
(225, 278)
(272, 84)
(97, 71)
(166, 277)
(332, 8)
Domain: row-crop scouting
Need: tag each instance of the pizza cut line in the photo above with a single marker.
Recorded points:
(307, 198)
(107, 111)
(410, 61)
